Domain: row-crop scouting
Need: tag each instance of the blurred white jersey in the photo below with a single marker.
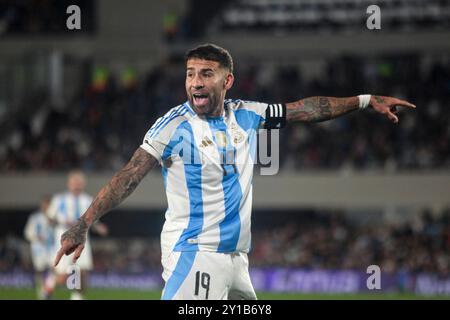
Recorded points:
(207, 166)
(40, 233)
(65, 209)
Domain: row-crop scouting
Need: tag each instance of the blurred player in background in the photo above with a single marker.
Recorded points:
(65, 209)
(40, 232)
(205, 149)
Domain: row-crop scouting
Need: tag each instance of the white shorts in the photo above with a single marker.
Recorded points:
(84, 261)
(202, 275)
(40, 260)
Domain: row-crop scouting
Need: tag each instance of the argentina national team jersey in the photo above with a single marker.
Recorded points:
(207, 166)
(39, 232)
(66, 208)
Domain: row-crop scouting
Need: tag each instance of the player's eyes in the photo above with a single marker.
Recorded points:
(206, 75)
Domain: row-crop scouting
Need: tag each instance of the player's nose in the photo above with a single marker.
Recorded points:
(197, 82)
(199, 86)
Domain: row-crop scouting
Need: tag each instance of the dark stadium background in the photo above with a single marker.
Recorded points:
(350, 193)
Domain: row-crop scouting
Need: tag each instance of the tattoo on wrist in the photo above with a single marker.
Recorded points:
(77, 233)
(379, 99)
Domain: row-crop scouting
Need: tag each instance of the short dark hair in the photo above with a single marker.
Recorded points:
(211, 52)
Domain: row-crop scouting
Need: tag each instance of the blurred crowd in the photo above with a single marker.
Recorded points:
(334, 242)
(100, 127)
(321, 240)
(130, 255)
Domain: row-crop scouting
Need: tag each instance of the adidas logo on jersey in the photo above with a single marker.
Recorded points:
(205, 142)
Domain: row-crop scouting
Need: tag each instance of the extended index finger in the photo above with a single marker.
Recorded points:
(58, 256)
(404, 103)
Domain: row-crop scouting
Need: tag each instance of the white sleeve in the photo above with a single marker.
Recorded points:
(251, 112)
(271, 116)
(154, 146)
(257, 107)
(30, 229)
(160, 134)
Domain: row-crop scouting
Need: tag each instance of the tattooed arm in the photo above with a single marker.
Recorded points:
(121, 186)
(316, 109)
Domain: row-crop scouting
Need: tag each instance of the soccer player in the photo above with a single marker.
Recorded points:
(39, 231)
(205, 149)
(65, 209)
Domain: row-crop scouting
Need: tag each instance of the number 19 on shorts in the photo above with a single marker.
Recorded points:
(202, 279)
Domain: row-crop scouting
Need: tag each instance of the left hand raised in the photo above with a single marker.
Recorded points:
(388, 106)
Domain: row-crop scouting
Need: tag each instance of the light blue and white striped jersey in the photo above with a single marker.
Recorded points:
(40, 233)
(207, 166)
(65, 209)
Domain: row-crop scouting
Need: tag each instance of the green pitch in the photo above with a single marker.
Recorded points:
(121, 294)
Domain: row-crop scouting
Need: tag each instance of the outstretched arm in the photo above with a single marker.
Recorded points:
(121, 186)
(316, 109)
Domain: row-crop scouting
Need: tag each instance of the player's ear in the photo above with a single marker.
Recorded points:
(229, 80)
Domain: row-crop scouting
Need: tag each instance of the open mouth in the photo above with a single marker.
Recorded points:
(200, 99)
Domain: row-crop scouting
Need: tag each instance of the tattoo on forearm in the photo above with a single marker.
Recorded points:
(315, 109)
(121, 185)
(324, 107)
